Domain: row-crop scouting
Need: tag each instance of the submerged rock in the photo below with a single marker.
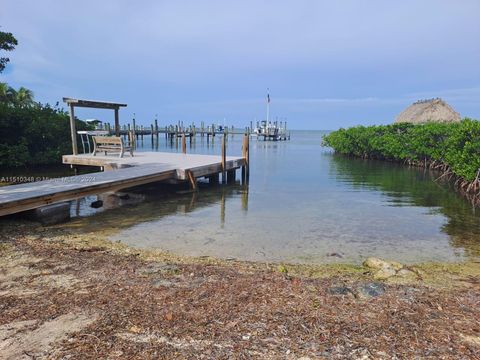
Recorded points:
(160, 268)
(335, 254)
(96, 204)
(384, 273)
(361, 291)
(377, 264)
(383, 270)
(51, 214)
(340, 290)
(407, 274)
(158, 283)
(372, 289)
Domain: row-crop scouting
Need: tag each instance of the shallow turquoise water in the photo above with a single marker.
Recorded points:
(303, 204)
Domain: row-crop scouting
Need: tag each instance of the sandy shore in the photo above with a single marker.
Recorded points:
(67, 294)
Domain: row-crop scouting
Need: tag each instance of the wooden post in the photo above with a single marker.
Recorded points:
(73, 130)
(156, 127)
(213, 179)
(231, 176)
(193, 181)
(245, 199)
(246, 157)
(134, 127)
(184, 144)
(117, 123)
(224, 159)
(131, 140)
(222, 208)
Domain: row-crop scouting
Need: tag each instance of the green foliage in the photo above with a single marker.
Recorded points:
(34, 135)
(455, 144)
(7, 43)
(21, 97)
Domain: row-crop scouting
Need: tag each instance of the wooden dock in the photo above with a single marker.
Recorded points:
(143, 168)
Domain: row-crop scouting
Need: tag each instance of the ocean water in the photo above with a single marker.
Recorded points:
(303, 204)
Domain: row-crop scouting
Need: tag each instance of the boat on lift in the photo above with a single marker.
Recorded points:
(271, 130)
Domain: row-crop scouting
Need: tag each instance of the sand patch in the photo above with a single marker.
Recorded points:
(19, 341)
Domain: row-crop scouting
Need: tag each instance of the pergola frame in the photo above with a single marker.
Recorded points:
(72, 103)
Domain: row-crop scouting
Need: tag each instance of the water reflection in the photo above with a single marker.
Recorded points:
(414, 187)
(302, 204)
(151, 203)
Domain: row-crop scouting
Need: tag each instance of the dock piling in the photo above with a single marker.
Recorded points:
(224, 160)
(184, 144)
(246, 156)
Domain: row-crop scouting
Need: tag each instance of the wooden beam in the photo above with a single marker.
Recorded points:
(92, 103)
(193, 181)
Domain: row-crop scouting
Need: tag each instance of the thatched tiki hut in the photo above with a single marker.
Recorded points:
(428, 110)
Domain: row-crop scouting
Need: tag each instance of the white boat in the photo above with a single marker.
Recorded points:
(271, 130)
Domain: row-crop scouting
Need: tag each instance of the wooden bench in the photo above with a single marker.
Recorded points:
(110, 144)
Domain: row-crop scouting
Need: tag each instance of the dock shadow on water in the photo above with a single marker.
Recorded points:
(137, 207)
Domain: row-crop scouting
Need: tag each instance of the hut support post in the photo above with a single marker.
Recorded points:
(73, 130)
(117, 123)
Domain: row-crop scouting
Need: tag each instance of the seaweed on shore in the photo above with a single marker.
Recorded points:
(72, 297)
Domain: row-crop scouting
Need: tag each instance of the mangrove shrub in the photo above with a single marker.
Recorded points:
(456, 145)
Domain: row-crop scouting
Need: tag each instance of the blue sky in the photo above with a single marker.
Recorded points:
(327, 63)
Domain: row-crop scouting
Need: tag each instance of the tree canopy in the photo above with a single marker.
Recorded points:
(7, 43)
(22, 97)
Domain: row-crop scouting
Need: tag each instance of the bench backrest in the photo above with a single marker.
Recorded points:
(107, 140)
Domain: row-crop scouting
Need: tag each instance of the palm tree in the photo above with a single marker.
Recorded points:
(7, 94)
(3, 92)
(23, 97)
